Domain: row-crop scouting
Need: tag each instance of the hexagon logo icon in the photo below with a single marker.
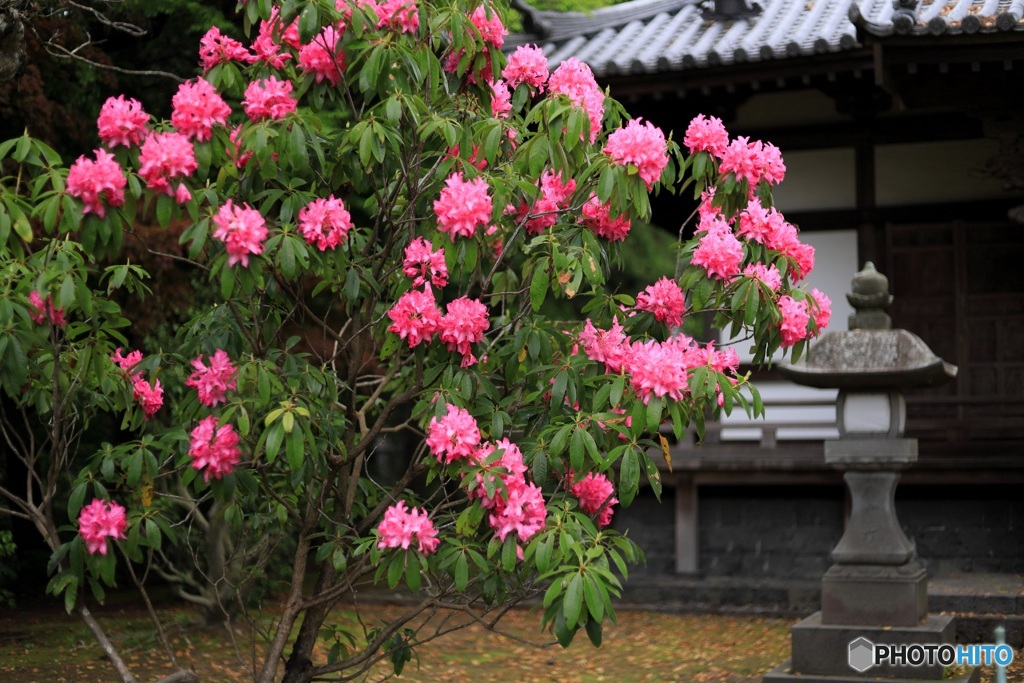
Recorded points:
(862, 655)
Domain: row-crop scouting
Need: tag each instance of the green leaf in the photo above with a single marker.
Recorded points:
(539, 285)
(595, 601)
(629, 477)
(412, 574)
(309, 23)
(461, 572)
(572, 603)
(594, 632)
(654, 406)
(576, 450)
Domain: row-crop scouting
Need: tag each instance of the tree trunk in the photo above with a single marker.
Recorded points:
(300, 662)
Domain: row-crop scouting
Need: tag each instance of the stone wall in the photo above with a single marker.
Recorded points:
(787, 532)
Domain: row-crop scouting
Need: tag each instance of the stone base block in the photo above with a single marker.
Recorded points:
(872, 595)
(783, 674)
(824, 649)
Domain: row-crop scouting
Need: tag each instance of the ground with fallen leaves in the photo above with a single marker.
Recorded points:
(44, 645)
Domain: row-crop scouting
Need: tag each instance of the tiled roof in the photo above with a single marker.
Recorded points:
(939, 17)
(654, 36)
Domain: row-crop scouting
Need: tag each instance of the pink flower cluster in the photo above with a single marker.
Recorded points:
(596, 495)
(396, 15)
(122, 122)
(214, 381)
(501, 100)
(196, 108)
(463, 206)
(214, 448)
(96, 181)
(268, 44)
(463, 325)
(794, 320)
(598, 217)
(268, 98)
(415, 316)
(423, 264)
(151, 396)
(323, 57)
(718, 251)
(554, 198)
(527, 65)
(401, 526)
(665, 300)
(654, 368)
(491, 29)
(820, 310)
(325, 222)
(642, 145)
(706, 135)
(455, 436)
(44, 310)
(575, 80)
(517, 506)
(216, 48)
(164, 157)
(100, 520)
(769, 275)
(753, 161)
(242, 229)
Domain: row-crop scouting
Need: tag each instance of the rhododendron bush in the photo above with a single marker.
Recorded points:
(383, 205)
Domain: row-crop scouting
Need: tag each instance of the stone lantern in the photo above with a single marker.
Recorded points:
(876, 592)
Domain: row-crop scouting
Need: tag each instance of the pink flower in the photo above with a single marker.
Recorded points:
(820, 309)
(753, 161)
(126, 363)
(463, 206)
(706, 135)
(760, 224)
(216, 48)
(575, 80)
(501, 100)
(122, 122)
(325, 222)
(415, 316)
(491, 30)
(596, 492)
(268, 98)
(323, 57)
(45, 311)
(464, 324)
(213, 382)
(164, 157)
(425, 266)
(803, 259)
(665, 300)
(527, 65)
(768, 275)
(658, 369)
(554, 195)
(508, 468)
(196, 108)
(773, 169)
(266, 46)
(100, 520)
(454, 437)
(94, 181)
(720, 253)
(398, 15)
(521, 512)
(214, 448)
(794, 320)
(401, 525)
(597, 217)
(150, 396)
(235, 152)
(643, 146)
(610, 347)
(242, 229)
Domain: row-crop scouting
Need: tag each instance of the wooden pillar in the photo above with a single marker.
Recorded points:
(687, 529)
